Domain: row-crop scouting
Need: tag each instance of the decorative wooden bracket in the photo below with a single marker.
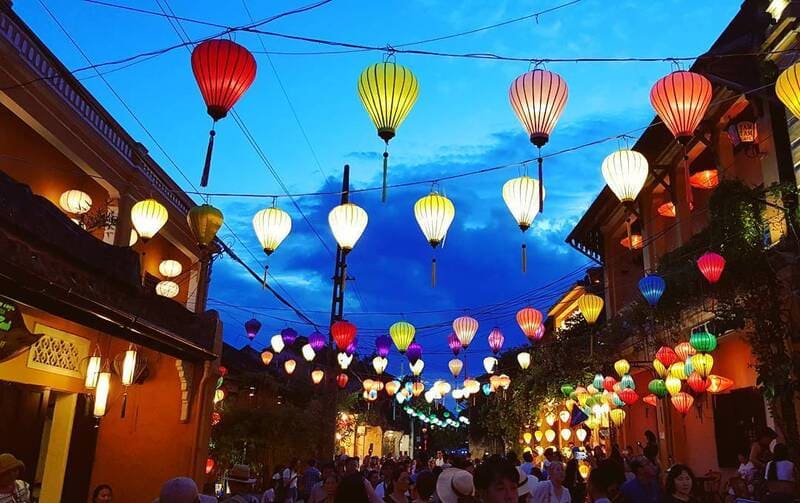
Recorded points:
(186, 378)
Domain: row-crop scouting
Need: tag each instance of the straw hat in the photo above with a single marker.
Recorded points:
(525, 483)
(452, 483)
(9, 462)
(240, 473)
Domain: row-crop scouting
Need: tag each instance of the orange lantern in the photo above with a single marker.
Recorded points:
(317, 376)
(718, 384)
(529, 320)
(417, 389)
(697, 383)
(681, 99)
(651, 399)
(668, 209)
(682, 402)
(706, 179)
(684, 350)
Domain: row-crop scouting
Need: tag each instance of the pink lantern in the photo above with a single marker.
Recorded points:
(496, 340)
(711, 265)
(681, 100)
(538, 98)
(465, 328)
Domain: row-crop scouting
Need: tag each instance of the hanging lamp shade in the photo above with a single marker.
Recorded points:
(75, 201)
(344, 360)
(317, 341)
(627, 382)
(414, 352)
(277, 344)
(657, 387)
(455, 365)
(681, 99)
(289, 335)
(538, 98)
(416, 367)
(672, 385)
(490, 364)
(521, 197)
(267, 356)
(347, 222)
(617, 417)
(308, 352)
(434, 214)
(628, 396)
(224, 70)
(682, 402)
(379, 364)
(272, 225)
(625, 172)
(697, 383)
(529, 320)
(711, 265)
(170, 268)
(608, 383)
(590, 306)
(472, 386)
(168, 289)
(148, 217)
(402, 334)
(204, 221)
(702, 364)
(651, 399)
(678, 370)
(666, 355)
(718, 384)
(703, 341)
(388, 91)
(251, 328)
(524, 360)
(465, 328)
(343, 333)
(622, 367)
(496, 340)
(382, 346)
(392, 387)
(652, 287)
(454, 343)
(683, 351)
(317, 376)
(787, 88)
(660, 368)
(341, 380)
(289, 366)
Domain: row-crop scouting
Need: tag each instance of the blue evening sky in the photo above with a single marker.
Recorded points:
(461, 122)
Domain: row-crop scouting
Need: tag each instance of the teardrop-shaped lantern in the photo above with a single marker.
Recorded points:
(388, 92)
(682, 402)
(434, 214)
(681, 99)
(392, 387)
(289, 335)
(224, 70)
(666, 355)
(402, 334)
(684, 350)
(524, 360)
(347, 222)
(454, 343)
(521, 196)
(529, 320)
(455, 365)
(697, 383)
(673, 385)
(308, 352)
(251, 328)
(289, 366)
(465, 328)
(341, 380)
(538, 98)
(490, 364)
(204, 221)
(317, 376)
(416, 367)
(272, 225)
(277, 344)
(617, 417)
(629, 396)
(317, 341)
(414, 352)
(343, 333)
(711, 265)
(625, 172)
(702, 364)
(590, 306)
(787, 87)
(379, 364)
(267, 356)
(622, 367)
(148, 217)
(382, 346)
(652, 287)
(496, 340)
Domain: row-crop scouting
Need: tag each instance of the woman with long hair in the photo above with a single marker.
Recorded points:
(680, 486)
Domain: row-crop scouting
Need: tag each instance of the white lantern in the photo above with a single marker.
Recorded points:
(168, 289)
(566, 434)
(458, 394)
(490, 364)
(101, 393)
(625, 172)
(148, 217)
(347, 222)
(524, 360)
(580, 434)
(170, 268)
(434, 214)
(308, 352)
(379, 364)
(455, 365)
(521, 196)
(129, 367)
(289, 366)
(92, 372)
(76, 202)
(344, 360)
(416, 367)
(550, 435)
(277, 343)
(272, 225)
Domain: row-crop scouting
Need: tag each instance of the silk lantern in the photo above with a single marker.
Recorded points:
(347, 222)
(529, 320)
(496, 340)
(382, 345)
(527, 437)
(628, 396)
(524, 359)
(455, 365)
(718, 384)
(454, 343)
(434, 214)
(622, 367)
(317, 376)
(317, 341)
(289, 366)
(204, 222)
(392, 387)
(673, 385)
(416, 367)
(590, 306)
(465, 328)
(168, 289)
(402, 334)
(617, 417)
(341, 380)
(658, 387)
(651, 399)
(625, 172)
(75, 201)
(267, 356)
(682, 402)
(684, 350)
(681, 99)
(697, 383)
(711, 265)
(580, 434)
(343, 333)
(703, 341)
(414, 352)
(490, 364)
(271, 225)
(520, 196)
(666, 355)
(652, 288)
(566, 434)
(702, 364)
(251, 328)
(550, 435)
(379, 364)
(148, 217)
(787, 88)
(308, 352)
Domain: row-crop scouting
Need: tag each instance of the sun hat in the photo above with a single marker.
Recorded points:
(181, 490)
(9, 462)
(452, 483)
(526, 483)
(240, 473)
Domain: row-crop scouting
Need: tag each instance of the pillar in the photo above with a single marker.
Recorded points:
(122, 231)
(58, 447)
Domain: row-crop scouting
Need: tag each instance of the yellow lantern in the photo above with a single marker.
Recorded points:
(317, 376)
(379, 364)
(678, 369)
(504, 381)
(308, 352)
(550, 418)
(92, 372)
(148, 217)
(277, 343)
(702, 363)
(625, 172)
(660, 369)
(170, 268)
(550, 435)
(272, 225)
(539, 450)
(289, 366)
(388, 91)
(622, 367)
(392, 387)
(101, 393)
(590, 306)
(267, 356)
(566, 434)
(490, 364)
(76, 202)
(472, 386)
(617, 417)
(417, 388)
(564, 416)
(673, 385)
(219, 395)
(524, 360)
(134, 238)
(583, 469)
(402, 334)
(204, 221)
(455, 365)
(443, 388)
(592, 423)
(580, 434)
(538, 435)
(458, 394)
(347, 222)
(527, 437)
(168, 289)
(787, 88)
(128, 375)
(416, 367)
(434, 214)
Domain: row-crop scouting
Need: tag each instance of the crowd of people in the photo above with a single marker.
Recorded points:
(765, 473)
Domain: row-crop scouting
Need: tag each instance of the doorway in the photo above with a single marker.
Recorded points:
(738, 417)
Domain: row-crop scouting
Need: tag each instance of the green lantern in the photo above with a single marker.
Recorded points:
(617, 400)
(703, 341)
(627, 382)
(688, 367)
(598, 381)
(567, 389)
(658, 388)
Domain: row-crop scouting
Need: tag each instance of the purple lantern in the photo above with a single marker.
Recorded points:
(414, 352)
(455, 343)
(289, 335)
(252, 326)
(539, 333)
(496, 340)
(317, 341)
(382, 345)
(351, 348)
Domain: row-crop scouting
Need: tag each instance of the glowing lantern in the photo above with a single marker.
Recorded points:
(519, 195)
(417, 388)
(617, 417)
(455, 365)
(524, 359)
(580, 433)
(392, 387)
(628, 396)
(209, 465)
(566, 434)
(454, 343)
(317, 341)
(680, 99)
(625, 172)
(379, 364)
(627, 382)
(289, 366)
(347, 222)
(267, 356)
(76, 202)
(529, 320)
(673, 385)
(341, 380)
(538, 98)
(684, 350)
(678, 370)
(289, 335)
(564, 416)
(616, 400)
(608, 383)
(388, 91)
(666, 356)
(490, 364)
(416, 367)
(787, 88)
(272, 225)
(465, 328)
(317, 376)
(434, 214)
(538, 435)
(651, 399)
(658, 387)
(251, 328)
(496, 340)
(718, 384)
(703, 341)
(344, 360)
(308, 352)
(402, 334)
(168, 289)
(590, 306)
(635, 242)
(101, 393)
(668, 209)
(277, 344)
(458, 394)
(652, 288)
(343, 333)
(93, 366)
(504, 381)
(711, 265)
(367, 384)
(697, 383)
(527, 437)
(702, 364)
(598, 381)
(592, 423)
(204, 221)
(705, 179)
(567, 389)
(550, 419)
(382, 346)
(622, 367)
(219, 395)
(660, 369)
(472, 386)
(550, 435)
(414, 351)
(682, 402)
(128, 374)
(443, 388)
(148, 217)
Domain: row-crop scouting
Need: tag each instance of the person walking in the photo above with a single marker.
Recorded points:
(12, 489)
(289, 477)
(643, 488)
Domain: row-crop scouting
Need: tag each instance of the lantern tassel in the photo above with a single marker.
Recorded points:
(541, 185)
(524, 257)
(385, 173)
(124, 405)
(207, 165)
(433, 272)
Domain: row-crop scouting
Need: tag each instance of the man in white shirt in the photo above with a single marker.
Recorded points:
(290, 479)
(527, 457)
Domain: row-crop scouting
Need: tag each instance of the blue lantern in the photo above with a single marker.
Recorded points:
(652, 287)
(487, 389)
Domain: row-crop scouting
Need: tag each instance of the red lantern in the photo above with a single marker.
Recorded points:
(718, 384)
(224, 70)
(684, 350)
(651, 399)
(628, 396)
(608, 383)
(711, 265)
(706, 179)
(223, 371)
(681, 100)
(343, 333)
(682, 402)
(666, 356)
(697, 383)
(209, 465)
(529, 320)
(341, 380)
(216, 417)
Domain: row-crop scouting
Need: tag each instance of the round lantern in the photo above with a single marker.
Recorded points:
(277, 344)
(590, 306)
(658, 387)
(673, 385)
(454, 343)
(682, 402)
(490, 364)
(347, 222)
(524, 359)
(465, 328)
(652, 288)
(455, 365)
(697, 383)
(392, 387)
(529, 320)
(711, 265)
(666, 355)
(317, 376)
(622, 367)
(382, 345)
(625, 172)
(520, 196)
(341, 380)
(168, 289)
(148, 217)
(416, 367)
(317, 341)
(251, 328)
(681, 99)
(627, 382)
(204, 221)
(628, 396)
(538, 98)
(434, 214)
(496, 340)
(402, 334)
(703, 341)
(566, 434)
(718, 384)
(289, 366)
(617, 417)
(267, 356)
(388, 91)
(702, 364)
(616, 400)
(567, 389)
(76, 202)
(684, 350)
(550, 435)
(417, 388)
(472, 386)
(787, 88)
(272, 225)
(343, 333)
(608, 383)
